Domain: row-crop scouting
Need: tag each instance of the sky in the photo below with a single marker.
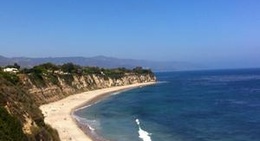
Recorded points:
(213, 33)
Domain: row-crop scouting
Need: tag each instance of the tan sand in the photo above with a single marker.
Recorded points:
(58, 114)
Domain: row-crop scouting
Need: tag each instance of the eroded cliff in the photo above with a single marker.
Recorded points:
(63, 85)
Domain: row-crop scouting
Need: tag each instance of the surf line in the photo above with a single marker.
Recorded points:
(144, 135)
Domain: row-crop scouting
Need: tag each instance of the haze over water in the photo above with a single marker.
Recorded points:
(188, 106)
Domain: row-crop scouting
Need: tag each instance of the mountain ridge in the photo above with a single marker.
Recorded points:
(100, 61)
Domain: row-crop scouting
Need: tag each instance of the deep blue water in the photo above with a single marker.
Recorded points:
(221, 105)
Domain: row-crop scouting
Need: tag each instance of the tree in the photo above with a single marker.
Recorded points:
(70, 68)
(49, 66)
(17, 66)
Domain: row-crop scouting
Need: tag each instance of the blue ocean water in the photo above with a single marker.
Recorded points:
(221, 105)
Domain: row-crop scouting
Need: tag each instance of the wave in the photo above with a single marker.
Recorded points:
(116, 93)
(162, 82)
(81, 108)
(231, 78)
(144, 135)
(89, 123)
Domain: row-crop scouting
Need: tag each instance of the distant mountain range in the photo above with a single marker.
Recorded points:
(100, 61)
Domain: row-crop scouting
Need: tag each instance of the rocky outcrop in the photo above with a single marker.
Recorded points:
(67, 84)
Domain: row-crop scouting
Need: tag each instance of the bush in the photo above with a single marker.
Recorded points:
(10, 127)
(54, 79)
(49, 66)
(115, 73)
(140, 70)
(68, 79)
(92, 70)
(70, 68)
(37, 79)
(13, 78)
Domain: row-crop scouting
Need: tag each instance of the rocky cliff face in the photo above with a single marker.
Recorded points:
(62, 85)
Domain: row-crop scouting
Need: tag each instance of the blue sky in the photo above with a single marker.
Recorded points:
(215, 33)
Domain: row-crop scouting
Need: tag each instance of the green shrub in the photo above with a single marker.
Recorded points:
(54, 79)
(92, 70)
(37, 79)
(114, 73)
(49, 66)
(140, 70)
(70, 68)
(10, 127)
(68, 78)
(13, 78)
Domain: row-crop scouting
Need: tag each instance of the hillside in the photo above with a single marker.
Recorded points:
(18, 109)
(22, 93)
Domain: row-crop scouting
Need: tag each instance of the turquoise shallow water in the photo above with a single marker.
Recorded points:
(221, 105)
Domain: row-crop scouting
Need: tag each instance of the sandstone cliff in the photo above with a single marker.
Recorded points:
(67, 84)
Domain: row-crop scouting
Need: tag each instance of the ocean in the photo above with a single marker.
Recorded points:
(215, 105)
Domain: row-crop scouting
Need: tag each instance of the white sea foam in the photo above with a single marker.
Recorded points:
(116, 93)
(82, 108)
(89, 123)
(144, 135)
(162, 82)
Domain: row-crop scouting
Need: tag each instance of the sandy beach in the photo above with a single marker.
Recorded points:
(58, 114)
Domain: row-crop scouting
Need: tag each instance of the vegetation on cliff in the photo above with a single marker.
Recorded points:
(21, 94)
(10, 127)
(43, 75)
(20, 117)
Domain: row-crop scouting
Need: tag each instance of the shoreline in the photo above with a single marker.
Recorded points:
(59, 114)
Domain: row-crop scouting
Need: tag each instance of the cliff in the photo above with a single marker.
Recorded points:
(63, 85)
(22, 93)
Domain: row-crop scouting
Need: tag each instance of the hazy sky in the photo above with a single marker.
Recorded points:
(220, 33)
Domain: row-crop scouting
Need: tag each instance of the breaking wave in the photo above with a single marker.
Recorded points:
(144, 135)
(89, 123)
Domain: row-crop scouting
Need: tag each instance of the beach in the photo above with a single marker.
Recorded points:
(59, 114)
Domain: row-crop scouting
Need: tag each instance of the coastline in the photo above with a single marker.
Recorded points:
(59, 114)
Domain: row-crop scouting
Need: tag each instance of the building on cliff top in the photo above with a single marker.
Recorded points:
(12, 70)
